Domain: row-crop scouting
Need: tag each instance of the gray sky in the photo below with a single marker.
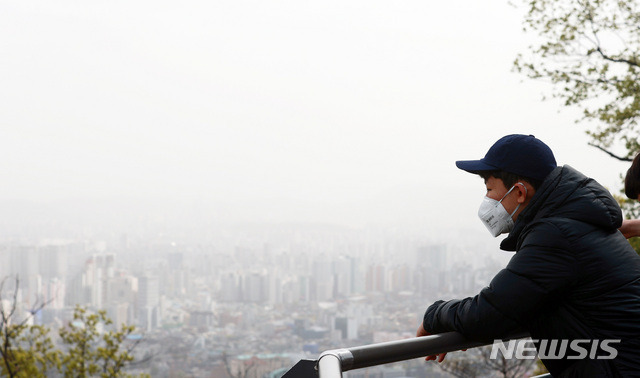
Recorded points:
(350, 112)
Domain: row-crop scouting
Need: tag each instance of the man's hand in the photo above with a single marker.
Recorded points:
(439, 357)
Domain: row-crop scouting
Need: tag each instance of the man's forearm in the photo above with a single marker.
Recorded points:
(630, 228)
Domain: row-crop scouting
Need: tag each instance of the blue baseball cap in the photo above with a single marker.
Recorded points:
(523, 155)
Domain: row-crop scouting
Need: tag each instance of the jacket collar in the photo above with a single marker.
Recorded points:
(531, 212)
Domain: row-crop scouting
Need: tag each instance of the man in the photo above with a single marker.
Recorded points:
(631, 227)
(573, 276)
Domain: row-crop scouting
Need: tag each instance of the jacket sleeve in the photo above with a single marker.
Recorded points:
(535, 277)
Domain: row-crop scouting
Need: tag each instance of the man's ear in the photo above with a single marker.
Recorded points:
(521, 191)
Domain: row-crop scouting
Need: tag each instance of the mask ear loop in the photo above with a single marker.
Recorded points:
(526, 191)
(509, 191)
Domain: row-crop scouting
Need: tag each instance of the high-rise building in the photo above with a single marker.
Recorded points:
(376, 278)
(400, 278)
(347, 326)
(24, 266)
(230, 287)
(149, 316)
(323, 278)
(53, 293)
(255, 287)
(122, 289)
(97, 272)
(343, 280)
(53, 261)
(24, 262)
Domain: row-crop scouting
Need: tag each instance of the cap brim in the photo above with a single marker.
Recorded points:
(474, 166)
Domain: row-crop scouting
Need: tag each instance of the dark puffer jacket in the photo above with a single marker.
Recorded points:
(574, 276)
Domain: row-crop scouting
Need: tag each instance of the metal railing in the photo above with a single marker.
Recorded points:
(332, 363)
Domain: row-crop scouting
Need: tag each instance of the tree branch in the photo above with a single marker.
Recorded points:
(627, 61)
(621, 158)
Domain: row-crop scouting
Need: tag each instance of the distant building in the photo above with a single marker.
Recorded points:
(149, 316)
(254, 287)
(53, 293)
(323, 279)
(230, 287)
(376, 278)
(202, 320)
(347, 326)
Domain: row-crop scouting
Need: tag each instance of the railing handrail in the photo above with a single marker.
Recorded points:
(332, 363)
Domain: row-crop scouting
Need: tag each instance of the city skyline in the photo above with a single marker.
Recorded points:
(291, 292)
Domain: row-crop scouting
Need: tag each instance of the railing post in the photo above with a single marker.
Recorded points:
(335, 362)
(330, 365)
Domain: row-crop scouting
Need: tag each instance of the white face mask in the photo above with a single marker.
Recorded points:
(495, 217)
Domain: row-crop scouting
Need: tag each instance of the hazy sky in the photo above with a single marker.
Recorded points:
(335, 111)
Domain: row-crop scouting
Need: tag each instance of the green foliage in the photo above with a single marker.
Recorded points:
(635, 243)
(90, 352)
(27, 351)
(590, 51)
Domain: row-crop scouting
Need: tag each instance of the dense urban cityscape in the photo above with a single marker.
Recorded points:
(254, 299)
(226, 188)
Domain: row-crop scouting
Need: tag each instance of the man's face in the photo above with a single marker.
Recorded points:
(496, 190)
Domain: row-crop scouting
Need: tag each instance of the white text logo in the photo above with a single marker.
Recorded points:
(555, 349)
